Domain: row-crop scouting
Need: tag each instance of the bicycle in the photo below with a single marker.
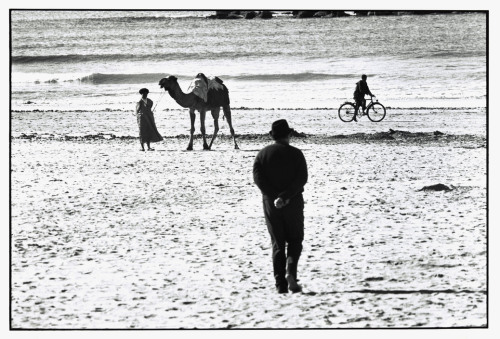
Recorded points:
(375, 111)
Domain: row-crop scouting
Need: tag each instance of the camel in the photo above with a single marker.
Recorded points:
(216, 95)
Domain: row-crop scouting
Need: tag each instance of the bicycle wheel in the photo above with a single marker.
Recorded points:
(376, 112)
(346, 112)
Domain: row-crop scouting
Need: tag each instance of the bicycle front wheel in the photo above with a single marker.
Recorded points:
(347, 112)
(376, 112)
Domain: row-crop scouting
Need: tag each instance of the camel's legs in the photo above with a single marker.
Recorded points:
(215, 115)
(227, 114)
(203, 113)
(192, 115)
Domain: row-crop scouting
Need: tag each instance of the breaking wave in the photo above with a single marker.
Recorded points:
(140, 78)
(98, 78)
(148, 77)
(454, 54)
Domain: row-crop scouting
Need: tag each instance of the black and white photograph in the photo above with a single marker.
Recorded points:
(255, 168)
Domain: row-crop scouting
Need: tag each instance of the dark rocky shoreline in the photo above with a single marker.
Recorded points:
(435, 138)
(237, 14)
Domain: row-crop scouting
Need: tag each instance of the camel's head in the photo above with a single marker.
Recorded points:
(168, 82)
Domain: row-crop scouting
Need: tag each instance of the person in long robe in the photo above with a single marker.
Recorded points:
(146, 121)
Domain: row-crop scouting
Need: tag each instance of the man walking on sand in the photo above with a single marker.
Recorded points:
(280, 172)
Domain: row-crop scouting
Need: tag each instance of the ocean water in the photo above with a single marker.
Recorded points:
(94, 61)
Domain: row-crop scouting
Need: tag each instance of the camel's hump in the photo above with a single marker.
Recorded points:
(215, 83)
(200, 87)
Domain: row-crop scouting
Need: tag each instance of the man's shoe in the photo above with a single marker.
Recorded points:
(282, 289)
(292, 284)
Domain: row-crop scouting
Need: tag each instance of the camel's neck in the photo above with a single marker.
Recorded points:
(185, 100)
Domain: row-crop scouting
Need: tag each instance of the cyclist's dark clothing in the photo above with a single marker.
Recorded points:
(359, 94)
(361, 90)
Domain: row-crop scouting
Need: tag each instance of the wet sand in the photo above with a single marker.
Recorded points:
(105, 236)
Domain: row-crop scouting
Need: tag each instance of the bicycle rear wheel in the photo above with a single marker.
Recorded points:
(347, 112)
(376, 112)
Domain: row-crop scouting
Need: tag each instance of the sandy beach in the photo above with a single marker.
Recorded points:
(105, 236)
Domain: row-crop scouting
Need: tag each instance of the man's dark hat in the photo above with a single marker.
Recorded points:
(280, 129)
(143, 90)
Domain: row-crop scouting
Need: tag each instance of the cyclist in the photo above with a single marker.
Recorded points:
(359, 94)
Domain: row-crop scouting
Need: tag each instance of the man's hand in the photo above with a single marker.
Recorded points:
(279, 203)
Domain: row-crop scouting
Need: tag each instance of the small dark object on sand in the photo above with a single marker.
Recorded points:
(438, 133)
(438, 187)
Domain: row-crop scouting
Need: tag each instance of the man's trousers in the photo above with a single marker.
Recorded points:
(286, 226)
